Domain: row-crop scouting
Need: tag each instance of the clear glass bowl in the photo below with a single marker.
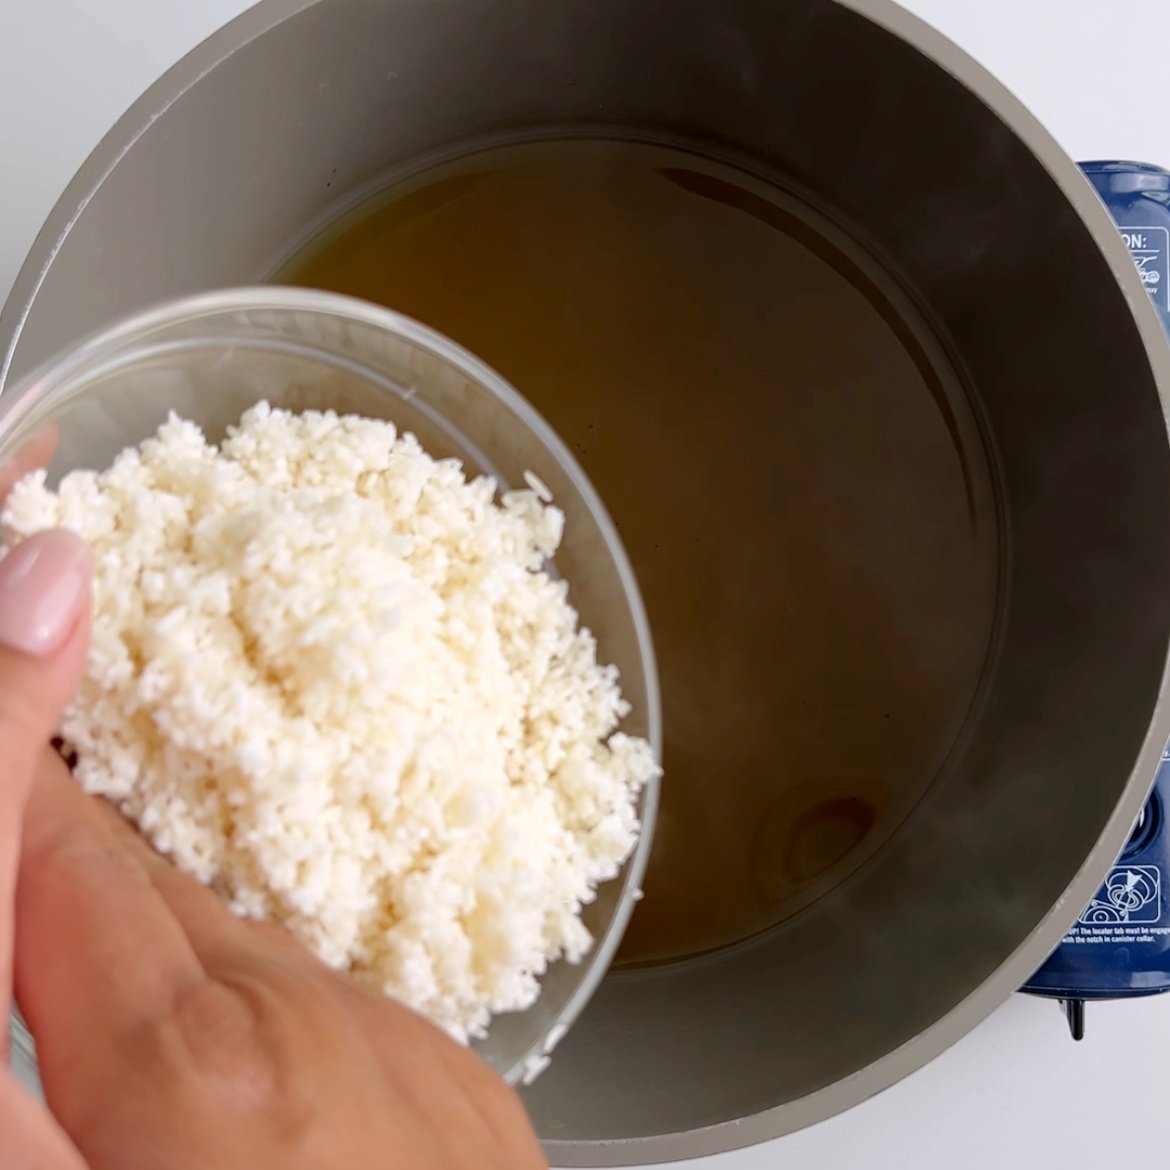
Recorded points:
(212, 356)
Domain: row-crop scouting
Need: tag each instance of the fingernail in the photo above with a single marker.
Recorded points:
(44, 581)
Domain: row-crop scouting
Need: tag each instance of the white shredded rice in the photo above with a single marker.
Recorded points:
(331, 678)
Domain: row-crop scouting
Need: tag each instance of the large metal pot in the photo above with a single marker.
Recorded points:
(887, 126)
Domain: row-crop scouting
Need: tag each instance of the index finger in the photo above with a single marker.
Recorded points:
(35, 453)
(98, 951)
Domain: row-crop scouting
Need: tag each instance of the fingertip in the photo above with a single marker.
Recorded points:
(45, 584)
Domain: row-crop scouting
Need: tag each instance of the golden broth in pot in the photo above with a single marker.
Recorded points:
(801, 487)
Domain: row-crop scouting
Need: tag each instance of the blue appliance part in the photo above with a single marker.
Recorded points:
(1120, 945)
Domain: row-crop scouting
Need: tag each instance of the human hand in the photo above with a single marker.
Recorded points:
(44, 628)
(172, 1034)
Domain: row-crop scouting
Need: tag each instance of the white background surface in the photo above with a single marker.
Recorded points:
(1017, 1092)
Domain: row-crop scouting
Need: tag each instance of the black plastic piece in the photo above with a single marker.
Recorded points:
(1074, 1011)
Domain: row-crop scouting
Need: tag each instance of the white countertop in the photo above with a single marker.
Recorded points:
(1017, 1091)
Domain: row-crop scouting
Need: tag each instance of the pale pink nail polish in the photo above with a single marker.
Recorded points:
(43, 584)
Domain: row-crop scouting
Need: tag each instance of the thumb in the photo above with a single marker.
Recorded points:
(44, 594)
(29, 1137)
(44, 631)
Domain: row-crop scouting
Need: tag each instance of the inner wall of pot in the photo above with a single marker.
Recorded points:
(985, 251)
